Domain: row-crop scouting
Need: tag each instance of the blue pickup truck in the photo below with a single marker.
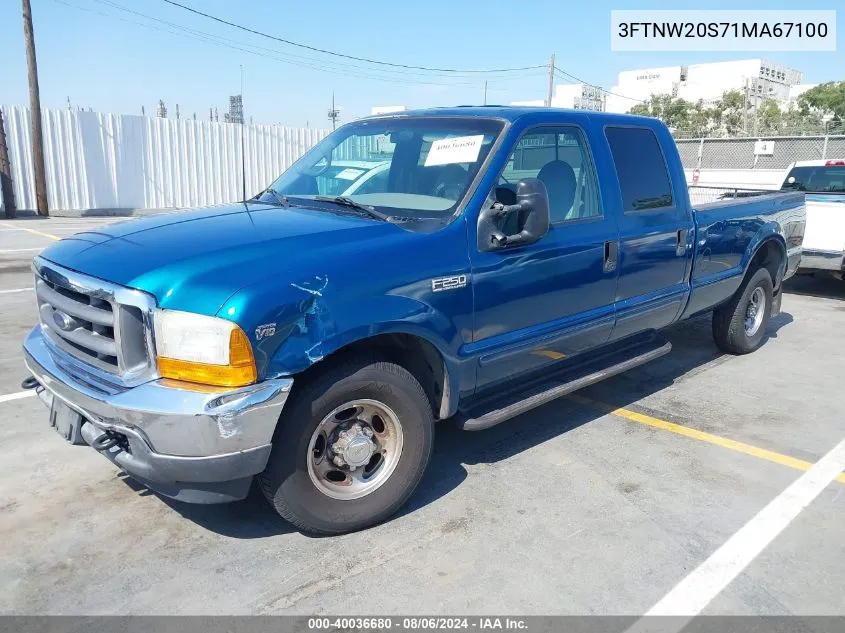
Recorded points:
(487, 261)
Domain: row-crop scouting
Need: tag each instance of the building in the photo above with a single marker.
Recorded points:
(388, 109)
(579, 96)
(706, 82)
(236, 110)
(796, 91)
(534, 103)
(573, 96)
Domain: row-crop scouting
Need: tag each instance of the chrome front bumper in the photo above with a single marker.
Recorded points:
(822, 260)
(191, 445)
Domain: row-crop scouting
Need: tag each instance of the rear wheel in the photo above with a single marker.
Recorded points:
(739, 326)
(350, 448)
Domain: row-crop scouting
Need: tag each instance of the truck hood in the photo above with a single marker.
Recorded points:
(196, 260)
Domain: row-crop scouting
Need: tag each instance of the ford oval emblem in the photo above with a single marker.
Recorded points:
(63, 321)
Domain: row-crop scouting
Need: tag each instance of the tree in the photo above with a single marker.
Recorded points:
(734, 114)
(729, 112)
(672, 111)
(827, 98)
(769, 118)
(700, 120)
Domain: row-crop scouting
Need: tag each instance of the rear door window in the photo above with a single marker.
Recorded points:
(641, 168)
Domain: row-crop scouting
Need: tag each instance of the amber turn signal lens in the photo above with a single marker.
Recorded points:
(239, 372)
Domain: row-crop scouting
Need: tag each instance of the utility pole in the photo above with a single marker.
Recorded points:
(243, 141)
(35, 113)
(745, 110)
(756, 113)
(6, 174)
(485, 93)
(551, 80)
(334, 114)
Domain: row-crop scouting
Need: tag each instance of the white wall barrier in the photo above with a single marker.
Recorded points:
(740, 178)
(117, 161)
(111, 161)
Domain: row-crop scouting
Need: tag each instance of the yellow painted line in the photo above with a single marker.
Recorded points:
(702, 436)
(33, 231)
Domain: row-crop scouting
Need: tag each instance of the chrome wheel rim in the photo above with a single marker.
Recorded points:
(755, 311)
(354, 449)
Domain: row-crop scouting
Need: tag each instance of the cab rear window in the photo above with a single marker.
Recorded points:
(641, 168)
(816, 179)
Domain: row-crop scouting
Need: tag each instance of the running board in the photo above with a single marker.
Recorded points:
(563, 383)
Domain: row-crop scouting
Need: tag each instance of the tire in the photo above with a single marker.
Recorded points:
(290, 481)
(729, 320)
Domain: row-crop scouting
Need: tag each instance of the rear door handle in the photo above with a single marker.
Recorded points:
(611, 255)
(681, 248)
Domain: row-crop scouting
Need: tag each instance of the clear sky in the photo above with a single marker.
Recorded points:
(116, 61)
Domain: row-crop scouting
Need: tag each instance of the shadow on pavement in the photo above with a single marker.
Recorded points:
(815, 286)
(248, 519)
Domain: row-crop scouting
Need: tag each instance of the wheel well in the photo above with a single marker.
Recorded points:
(415, 354)
(770, 256)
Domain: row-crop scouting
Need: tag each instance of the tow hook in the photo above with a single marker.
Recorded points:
(29, 383)
(105, 441)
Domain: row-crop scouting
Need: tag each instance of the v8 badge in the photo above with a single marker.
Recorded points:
(263, 331)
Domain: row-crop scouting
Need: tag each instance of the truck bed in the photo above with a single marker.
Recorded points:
(728, 231)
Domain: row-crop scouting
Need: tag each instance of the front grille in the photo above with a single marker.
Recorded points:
(80, 322)
(105, 326)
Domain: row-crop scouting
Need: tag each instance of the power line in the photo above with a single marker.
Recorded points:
(233, 44)
(615, 94)
(336, 54)
(287, 58)
(205, 35)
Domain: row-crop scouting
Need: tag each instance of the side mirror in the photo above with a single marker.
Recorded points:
(532, 218)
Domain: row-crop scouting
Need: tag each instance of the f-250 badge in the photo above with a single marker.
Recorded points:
(263, 331)
(448, 283)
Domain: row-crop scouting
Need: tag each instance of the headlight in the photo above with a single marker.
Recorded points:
(203, 349)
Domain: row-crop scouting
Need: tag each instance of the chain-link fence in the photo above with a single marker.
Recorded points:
(806, 128)
(748, 153)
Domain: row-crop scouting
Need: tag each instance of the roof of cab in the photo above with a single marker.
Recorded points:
(512, 113)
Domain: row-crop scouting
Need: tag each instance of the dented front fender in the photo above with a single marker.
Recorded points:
(295, 322)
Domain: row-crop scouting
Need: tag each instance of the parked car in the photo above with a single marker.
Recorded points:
(823, 181)
(346, 177)
(507, 257)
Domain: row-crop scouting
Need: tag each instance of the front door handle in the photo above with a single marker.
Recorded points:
(611, 255)
(681, 248)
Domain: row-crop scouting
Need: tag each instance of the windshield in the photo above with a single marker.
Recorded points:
(817, 179)
(417, 167)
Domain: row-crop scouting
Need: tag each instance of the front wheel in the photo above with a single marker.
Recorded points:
(351, 447)
(739, 326)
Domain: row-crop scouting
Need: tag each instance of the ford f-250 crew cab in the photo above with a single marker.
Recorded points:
(507, 256)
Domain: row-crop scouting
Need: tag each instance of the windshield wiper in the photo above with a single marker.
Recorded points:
(277, 197)
(349, 202)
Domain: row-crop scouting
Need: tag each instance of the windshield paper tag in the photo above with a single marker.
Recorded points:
(349, 174)
(459, 149)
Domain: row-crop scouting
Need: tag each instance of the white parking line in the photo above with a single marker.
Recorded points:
(702, 585)
(21, 250)
(28, 230)
(17, 396)
(7, 292)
